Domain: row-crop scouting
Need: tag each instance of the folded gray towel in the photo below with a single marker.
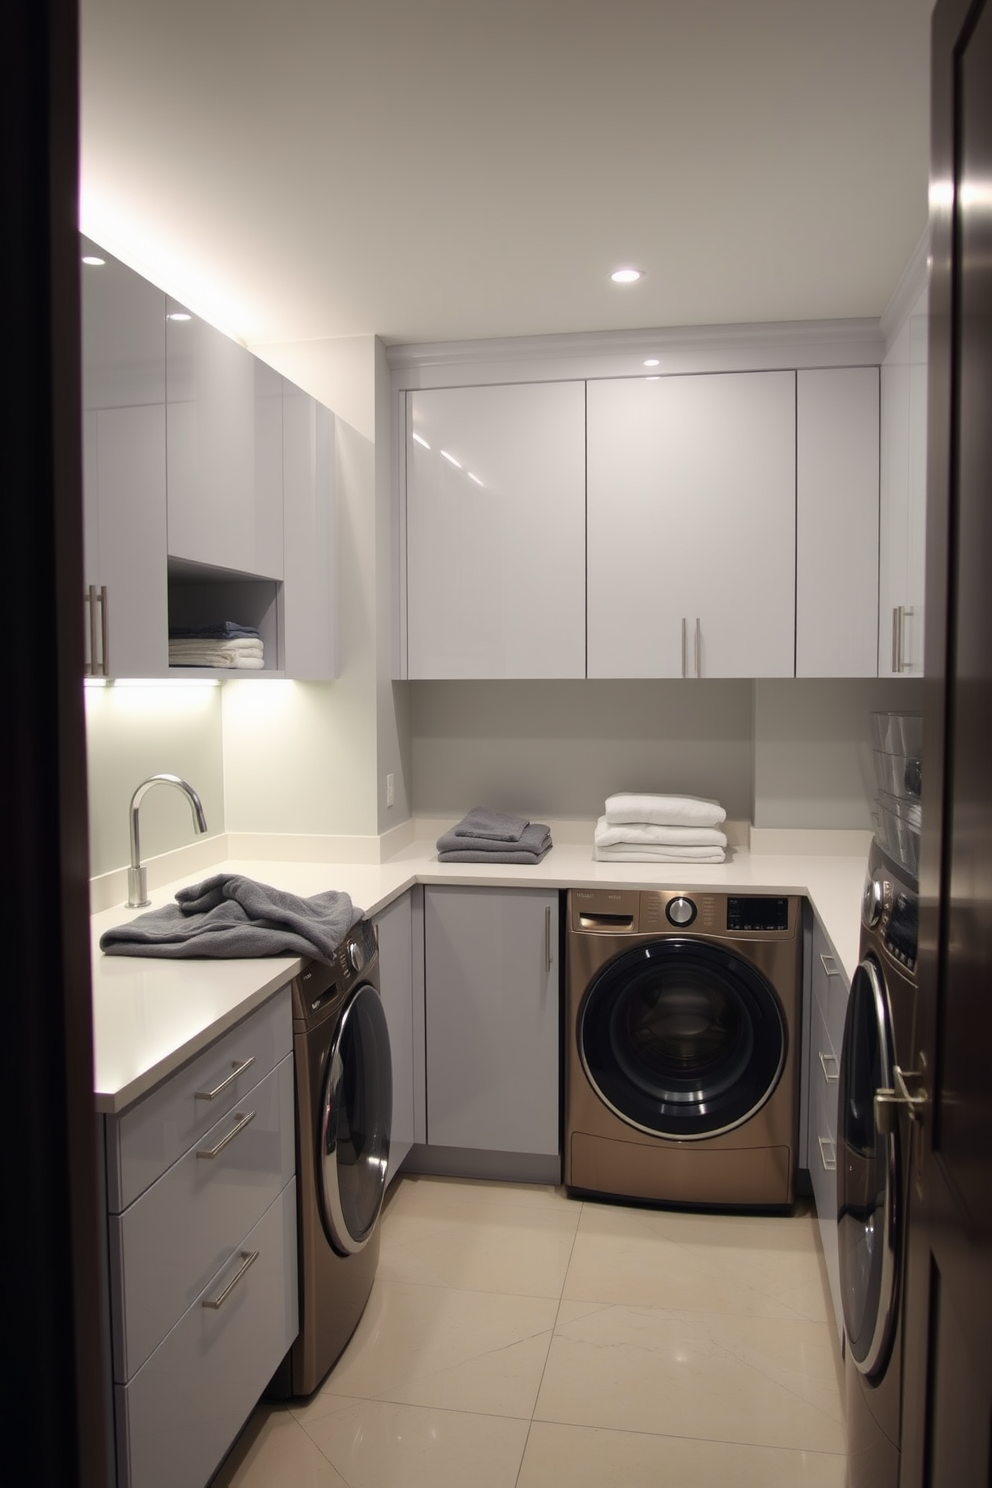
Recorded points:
(535, 838)
(504, 853)
(495, 825)
(229, 916)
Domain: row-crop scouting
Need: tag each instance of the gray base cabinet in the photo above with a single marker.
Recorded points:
(830, 990)
(399, 930)
(492, 1019)
(201, 1242)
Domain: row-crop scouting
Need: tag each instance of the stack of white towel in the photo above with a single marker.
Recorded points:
(660, 829)
(225, 644)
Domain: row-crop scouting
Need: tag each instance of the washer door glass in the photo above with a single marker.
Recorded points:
(355, 1119)
(682, 1038)
(867, 1176)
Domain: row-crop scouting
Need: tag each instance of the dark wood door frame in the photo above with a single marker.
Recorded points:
(53, 1308)
(947, 1369)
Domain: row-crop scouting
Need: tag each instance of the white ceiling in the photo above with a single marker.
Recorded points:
(443, 169)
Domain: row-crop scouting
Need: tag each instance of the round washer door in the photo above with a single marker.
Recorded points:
(867, 1176)
(681, 1038)
(355, 1118)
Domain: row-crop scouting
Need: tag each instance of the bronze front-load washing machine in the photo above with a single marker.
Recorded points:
(682, 1061)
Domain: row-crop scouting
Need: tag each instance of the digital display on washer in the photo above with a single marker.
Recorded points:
(765, 913)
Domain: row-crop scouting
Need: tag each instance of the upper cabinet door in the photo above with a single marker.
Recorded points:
(124, 503)
(496, 531)
(837, 522)
(903, 499)
(692, 526)
(309, 621)
(224, 429)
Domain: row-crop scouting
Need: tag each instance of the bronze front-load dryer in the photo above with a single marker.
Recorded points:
(681, 1071)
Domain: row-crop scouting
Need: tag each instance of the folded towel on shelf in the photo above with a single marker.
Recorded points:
(215, 631)
(228, 916)
(242, 652)
(644, 834)
(530, 847)
(663, 811)
(488, 824)
(631, 853)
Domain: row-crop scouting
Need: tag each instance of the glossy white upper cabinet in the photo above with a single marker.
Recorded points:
(224, 442)
(692, 526)
(837, 522)
(309, 621)
(496, 531)
(903, 499)
(124, 486)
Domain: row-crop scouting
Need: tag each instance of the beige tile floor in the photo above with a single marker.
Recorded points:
(516, 1338)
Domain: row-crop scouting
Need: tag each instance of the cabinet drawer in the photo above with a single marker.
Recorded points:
(153, 1134)
(185, 1406)
(168, 1244)
(831, 988)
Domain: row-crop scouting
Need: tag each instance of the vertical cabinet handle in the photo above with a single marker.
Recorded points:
(98, 661)
(698, 649)
(833, 969)
(547, 939)
(683, 645)
(899, 613)
(828, 1154)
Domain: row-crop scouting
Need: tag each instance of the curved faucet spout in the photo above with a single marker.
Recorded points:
(137, 888)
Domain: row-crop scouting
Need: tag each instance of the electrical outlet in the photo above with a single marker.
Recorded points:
(390, 790)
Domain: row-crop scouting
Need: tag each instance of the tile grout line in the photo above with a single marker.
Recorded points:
(554, 1326)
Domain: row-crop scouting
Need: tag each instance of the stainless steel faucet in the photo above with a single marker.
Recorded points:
(137, 887)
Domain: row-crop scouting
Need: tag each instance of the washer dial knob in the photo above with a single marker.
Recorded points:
(356, 956)
(872, 900)
(680, 911)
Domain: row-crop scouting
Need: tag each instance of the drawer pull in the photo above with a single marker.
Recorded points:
(547, 940)
(831, 1075)
(826, 1145)
(238, 1069)
(213, 1151)
(248, 1258)
(833, 969)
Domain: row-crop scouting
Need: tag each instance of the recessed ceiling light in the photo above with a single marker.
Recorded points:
(627, 276)
(473, 478)
(420, 440)
(91, 258)
(652, 362)
(179, 315)
(452, 459)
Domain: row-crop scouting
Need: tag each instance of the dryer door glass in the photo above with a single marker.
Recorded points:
(867, 1176)
(356, 1113)
(682, 1038)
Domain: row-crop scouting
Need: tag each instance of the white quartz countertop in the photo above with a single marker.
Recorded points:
(152, 1014)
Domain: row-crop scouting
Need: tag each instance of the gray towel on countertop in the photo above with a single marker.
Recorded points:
(230, 916)
(495, 825)
(504, 854)
(535, 838)
(530, 847)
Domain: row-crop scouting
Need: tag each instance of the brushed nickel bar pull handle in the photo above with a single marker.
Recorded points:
(895, 638)
(825, 1059)
(698, 649)
(824, 958)
(212, 1152)
(547, 938)
(238, 1069)
(104, 634)
(683, 645)
(89, 598)
(829, 1163)
(248, 1258)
